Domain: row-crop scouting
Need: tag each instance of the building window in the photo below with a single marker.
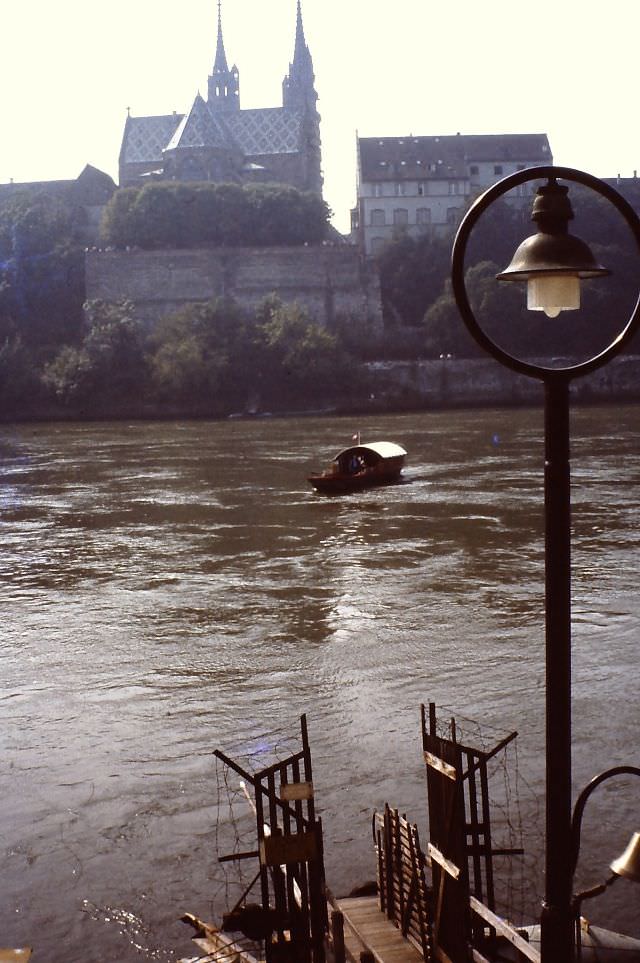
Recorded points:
(378, 190)
(453, 187)
(452, 215)
(474, 169)
(400, 188)
(401, 216)
(423, 215)
(377, 218)
(497, 168)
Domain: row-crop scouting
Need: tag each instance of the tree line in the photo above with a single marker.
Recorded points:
(204, 359)
(58, 353)
(168, 214)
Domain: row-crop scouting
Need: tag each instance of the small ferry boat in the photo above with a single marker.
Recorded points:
(361, 466)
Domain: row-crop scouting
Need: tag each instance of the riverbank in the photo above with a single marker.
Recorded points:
(391, 387)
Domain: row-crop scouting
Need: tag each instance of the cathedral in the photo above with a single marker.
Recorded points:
(216, 140)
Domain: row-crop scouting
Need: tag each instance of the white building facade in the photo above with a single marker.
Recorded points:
(423, 185)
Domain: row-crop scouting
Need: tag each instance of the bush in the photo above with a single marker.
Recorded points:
(170, 214)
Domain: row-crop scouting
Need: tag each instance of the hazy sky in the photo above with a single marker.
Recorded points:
(70, 68)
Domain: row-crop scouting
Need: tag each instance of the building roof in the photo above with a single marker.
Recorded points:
(384, 158)
(266, 130)
(91, 187)
(200, 128)
(146, 137)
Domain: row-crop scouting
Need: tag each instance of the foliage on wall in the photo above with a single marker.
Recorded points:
(177, 214)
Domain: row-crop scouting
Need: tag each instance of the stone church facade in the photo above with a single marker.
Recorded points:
(216, 140)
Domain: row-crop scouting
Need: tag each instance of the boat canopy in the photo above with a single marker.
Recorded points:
(383, 449)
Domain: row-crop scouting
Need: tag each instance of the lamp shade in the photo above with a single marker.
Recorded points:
(628, 865)
(552, 261)
(545, 254)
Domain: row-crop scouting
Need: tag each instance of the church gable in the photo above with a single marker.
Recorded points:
(199, 128)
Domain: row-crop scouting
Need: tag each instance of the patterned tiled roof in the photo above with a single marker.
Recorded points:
(268, 130)
(199, 128)
(146, 137)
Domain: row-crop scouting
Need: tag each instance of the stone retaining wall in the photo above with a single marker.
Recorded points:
(452, 382)
(329, 280)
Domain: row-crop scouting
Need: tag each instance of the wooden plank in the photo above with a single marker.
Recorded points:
(504, 929)
(296, 848)
(223, 949)
(442, 861)
(253, 854)
(290, 791)
(440, 765)
(375, 932)
(18, 955)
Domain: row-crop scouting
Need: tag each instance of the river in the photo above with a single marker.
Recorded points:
(171, 588)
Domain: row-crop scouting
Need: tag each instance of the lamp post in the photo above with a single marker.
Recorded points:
(552, 262)
(627, 865)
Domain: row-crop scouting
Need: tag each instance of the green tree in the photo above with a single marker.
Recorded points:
(412, 273)
(20, 387)
(118, 227)
(298, 353)
(41, 272)
(173, 214)
(199, 355)
(108, 366)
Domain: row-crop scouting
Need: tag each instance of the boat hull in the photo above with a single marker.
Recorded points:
(338, 483)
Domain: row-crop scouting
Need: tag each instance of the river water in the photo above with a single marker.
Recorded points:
(171, 588)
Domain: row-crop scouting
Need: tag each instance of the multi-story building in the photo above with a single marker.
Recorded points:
(422, 185)
(217, 140)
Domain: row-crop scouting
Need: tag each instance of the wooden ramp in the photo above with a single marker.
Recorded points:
(367, 928)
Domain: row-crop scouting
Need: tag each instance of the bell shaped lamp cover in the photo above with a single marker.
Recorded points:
(552, 261)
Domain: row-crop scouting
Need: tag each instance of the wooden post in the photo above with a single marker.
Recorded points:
(367, 957)
(337, 936)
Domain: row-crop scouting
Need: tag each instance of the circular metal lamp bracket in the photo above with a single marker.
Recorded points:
(463, 234)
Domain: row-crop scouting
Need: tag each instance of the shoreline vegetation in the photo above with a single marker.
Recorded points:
(65, 358)
(444, 384)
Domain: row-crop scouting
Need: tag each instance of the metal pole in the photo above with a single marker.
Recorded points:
(557, 943)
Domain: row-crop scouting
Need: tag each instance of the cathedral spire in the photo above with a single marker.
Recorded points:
(300, 45)
(220, 65)
(224, 84)
(298, 90)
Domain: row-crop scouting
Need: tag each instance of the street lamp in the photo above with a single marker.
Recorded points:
(627, 865)
(552, 262)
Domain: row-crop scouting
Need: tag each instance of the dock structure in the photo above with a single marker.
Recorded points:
(436, 904)
(368, 935)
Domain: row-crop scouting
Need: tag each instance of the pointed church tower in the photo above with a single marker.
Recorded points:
(299, 96)
(224, 84)
(298, 90)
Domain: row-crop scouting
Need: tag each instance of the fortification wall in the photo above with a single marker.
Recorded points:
(329, 280)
